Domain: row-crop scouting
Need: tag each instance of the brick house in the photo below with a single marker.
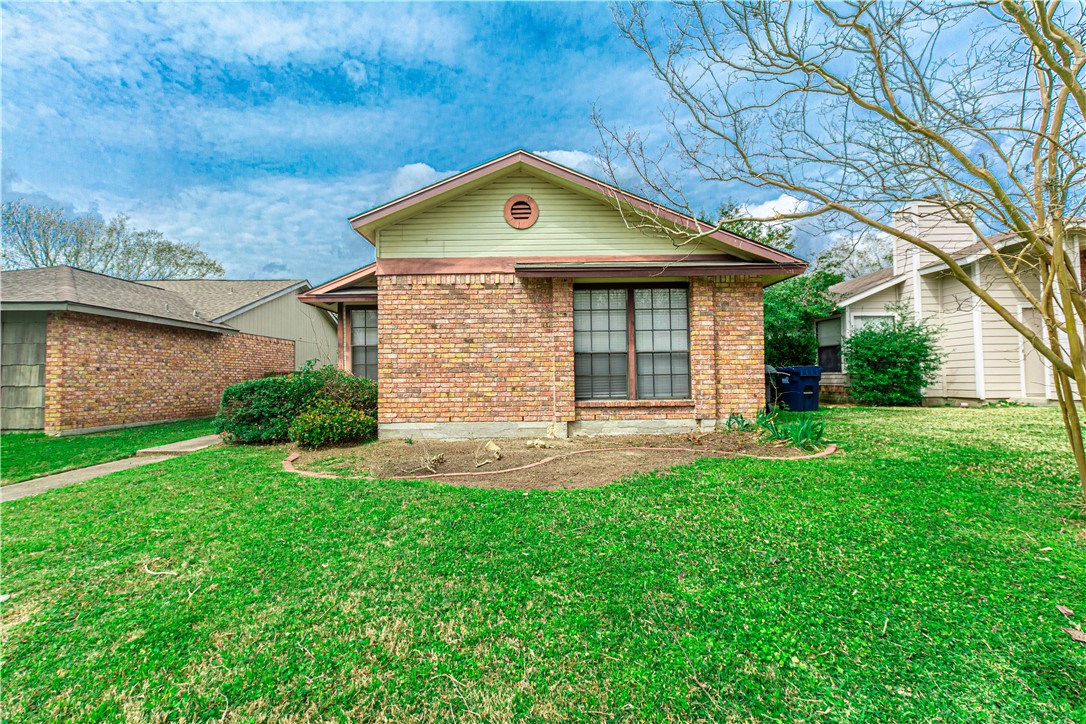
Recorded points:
(523, 298)
(84, 351)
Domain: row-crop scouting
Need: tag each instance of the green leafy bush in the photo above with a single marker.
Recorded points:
(261, 411)
(331, 422)
(890, 363)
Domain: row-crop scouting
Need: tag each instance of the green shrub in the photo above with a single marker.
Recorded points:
(261, 411)
(331, 422)
(358, 393)
(784, 349)
(890, 363)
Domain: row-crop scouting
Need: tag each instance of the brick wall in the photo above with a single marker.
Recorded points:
(740, 349)
(102, 371)
(493, 347)
(472, 348)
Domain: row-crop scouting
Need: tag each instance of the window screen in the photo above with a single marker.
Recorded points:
(600, 344)
(662, 341)
(364, 343)
(829, 344)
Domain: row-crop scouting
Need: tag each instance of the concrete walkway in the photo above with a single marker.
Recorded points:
(147, 456)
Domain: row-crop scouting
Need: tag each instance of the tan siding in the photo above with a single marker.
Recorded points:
(1002, 356)
(313, 332)
(22, 376)
(569, 224)
(959, 371)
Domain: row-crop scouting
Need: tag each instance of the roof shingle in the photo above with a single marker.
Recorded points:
(858, 285)
(216, 298)
(68, 285)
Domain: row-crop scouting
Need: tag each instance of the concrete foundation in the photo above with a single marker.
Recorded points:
(639, 427)
(486, 430)
(466, 430)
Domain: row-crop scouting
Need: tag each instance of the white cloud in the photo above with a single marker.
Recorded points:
(783, 204)
(275, 224)
(109, 36)
(355, 70)
(413, 177)
(587, 163)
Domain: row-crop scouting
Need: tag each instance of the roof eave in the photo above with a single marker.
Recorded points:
(777, 272)
(114, 313)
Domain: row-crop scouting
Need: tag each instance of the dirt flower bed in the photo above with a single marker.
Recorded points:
(578, 462)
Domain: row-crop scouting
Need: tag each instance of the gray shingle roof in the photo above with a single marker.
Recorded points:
(216, 298)
(68, 285)
(851, 287)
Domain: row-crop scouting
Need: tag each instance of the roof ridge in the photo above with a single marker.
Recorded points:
(232, 281)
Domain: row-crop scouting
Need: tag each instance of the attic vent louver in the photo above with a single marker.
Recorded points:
(521, 211)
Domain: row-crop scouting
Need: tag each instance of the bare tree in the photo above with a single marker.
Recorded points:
(857, 254)
(857, 108)
(38, 236)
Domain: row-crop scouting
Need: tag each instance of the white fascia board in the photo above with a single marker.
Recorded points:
(264, 300)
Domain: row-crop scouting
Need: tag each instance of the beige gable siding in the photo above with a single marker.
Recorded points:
(313, 332)
(569, 224)
(877, 304)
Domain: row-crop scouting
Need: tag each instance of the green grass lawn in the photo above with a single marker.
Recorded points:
(25, 455)
(913, 577)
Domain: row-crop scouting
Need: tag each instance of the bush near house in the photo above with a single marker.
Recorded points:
(328, 422)
(263, 411)
(889, 364)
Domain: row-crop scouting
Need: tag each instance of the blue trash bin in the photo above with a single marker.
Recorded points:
(799, 387)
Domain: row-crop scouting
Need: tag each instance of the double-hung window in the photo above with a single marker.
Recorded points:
(364, 343)
(631, 342)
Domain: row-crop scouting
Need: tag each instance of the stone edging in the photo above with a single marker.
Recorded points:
(288, 463)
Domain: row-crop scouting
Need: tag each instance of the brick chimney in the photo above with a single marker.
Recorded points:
(933, 223)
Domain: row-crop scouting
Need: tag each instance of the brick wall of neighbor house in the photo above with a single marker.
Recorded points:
(102, 371)
(493, 347)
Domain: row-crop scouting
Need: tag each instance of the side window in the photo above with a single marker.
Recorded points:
(829, 344)
(662, 340)
(859, 321)
(600, 344)
(364, 343)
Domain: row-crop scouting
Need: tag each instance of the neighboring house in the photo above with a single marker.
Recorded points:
(84, 351)
(986, 359)
(522, 298)
(267, 307)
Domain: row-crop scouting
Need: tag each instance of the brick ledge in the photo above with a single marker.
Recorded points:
(591, 404)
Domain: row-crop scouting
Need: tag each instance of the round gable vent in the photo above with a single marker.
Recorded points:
(521, 211)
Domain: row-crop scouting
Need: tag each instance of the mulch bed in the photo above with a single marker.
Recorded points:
(459, 463)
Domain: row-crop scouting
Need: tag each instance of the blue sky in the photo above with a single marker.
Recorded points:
(258, 129)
